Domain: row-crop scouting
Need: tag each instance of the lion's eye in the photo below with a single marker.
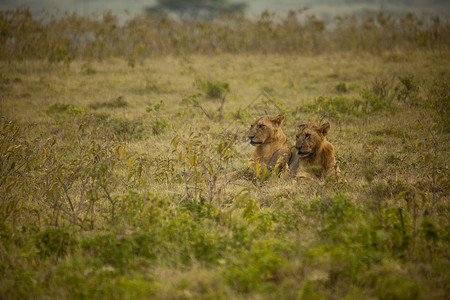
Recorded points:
(307, 136)
(297, 136)
(261, 126)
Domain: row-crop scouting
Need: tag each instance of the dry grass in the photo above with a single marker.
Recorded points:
(361, 236)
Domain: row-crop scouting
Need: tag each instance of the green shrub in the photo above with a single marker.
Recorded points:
(242, 236)
(429, 231)
(313, 290)
(407, 90)
(187, 240)
(213, 89)
(397, 286)
(159, 126)
(73, 281)
(142, 210)
(109, 250)
(145, 244)
(201, 161)
(382, 89)
(199, 210)
(341, 87)
(258, 269)
(155, 107)
(55, 241)
(398, 230)
(373, 103)
(17, 283)
(123, 129)
(336, 107)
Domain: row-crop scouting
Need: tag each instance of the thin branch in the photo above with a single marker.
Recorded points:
(203, 110)
(113, 203)
(67, 194)
(221, 107)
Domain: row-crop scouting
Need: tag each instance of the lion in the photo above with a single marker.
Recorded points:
(272, 147)
(312, 155)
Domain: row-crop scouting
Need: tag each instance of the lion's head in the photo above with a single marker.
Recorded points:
(310, 137)
(265, 129)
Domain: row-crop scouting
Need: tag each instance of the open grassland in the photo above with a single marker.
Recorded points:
(115, 177)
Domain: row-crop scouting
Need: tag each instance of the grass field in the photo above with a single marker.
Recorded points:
(113, 179)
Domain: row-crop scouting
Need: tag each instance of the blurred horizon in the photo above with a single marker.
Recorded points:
(325, 9)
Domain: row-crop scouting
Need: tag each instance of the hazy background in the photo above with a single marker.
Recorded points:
(325, 9)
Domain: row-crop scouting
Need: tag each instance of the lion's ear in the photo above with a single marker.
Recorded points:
(301, 125)
(278, 120)
(324, 129)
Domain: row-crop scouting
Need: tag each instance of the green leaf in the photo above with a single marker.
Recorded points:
(401, 195)
(130, 175)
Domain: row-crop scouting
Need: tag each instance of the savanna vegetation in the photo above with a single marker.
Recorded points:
(118, 140)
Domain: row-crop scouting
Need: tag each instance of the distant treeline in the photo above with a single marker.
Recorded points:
(72, 36)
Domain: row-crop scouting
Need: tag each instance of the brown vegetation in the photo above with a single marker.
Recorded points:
(68, 37)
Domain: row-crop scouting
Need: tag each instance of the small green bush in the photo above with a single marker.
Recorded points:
(100, 282)
(341, 87)
(213, 89)
(187, 240)
(312, 290)
(142, 210)
(145, 244)
(334, 106)
(123, 129)
(258, 269)
(341, 106)
(61, 108)
(399, 230)
(159, 126)
(429, 231)
(55, 241)
(108, 249)
(372, 102)
(392, 287)
(198, 209)
(407, 90)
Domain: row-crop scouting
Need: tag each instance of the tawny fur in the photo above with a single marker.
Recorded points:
(271, 145)
(312, 155)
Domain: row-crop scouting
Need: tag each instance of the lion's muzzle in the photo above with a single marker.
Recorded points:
(254, 143)
(300, 152)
